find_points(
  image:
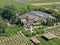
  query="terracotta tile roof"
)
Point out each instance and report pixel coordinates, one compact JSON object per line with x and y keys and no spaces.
{"x":49,"y":35}
{"x":35,"y":40}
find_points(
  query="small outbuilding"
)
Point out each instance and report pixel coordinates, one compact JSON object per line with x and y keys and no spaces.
{"x":35,"y":40}
{"x":49,"y":35}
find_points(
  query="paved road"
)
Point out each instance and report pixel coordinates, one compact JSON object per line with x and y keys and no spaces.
{"x":37,"y":4}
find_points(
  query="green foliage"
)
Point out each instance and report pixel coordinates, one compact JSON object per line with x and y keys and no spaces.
{"x":50,"y":11}
{"x":27,"y":33}
{"x":26,"y":9}
{"x":27,"y":18}
{"x":11,"y":30}
{"x":19,"y":23}
{"x":2,"y":26}
{"x":8,"y":12}
{"x":57,"y":15}
{"x":29,"y":8}
{"x":48,"y":22}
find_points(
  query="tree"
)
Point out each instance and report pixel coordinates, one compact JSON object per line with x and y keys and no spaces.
{"x":48,"y":22}
{"x":23,"y":11}
{"x":57,"y":15}
{"x":19,"y":23}
{"x":27,"y":33}
{"x":8,"y":12}
{"x":3,"y":25}
{"x":2,"y":28}
{"x":27,"y":18}
{"x":28,"y":7}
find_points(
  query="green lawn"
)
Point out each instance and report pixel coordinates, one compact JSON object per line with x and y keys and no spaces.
{"x":49,"y":42}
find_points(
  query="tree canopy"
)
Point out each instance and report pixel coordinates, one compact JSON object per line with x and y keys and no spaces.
{"x":8,"y":12}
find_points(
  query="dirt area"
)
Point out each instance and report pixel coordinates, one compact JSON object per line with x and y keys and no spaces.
{"x":37,"y":4}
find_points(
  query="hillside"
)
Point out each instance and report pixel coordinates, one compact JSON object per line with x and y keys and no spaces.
{"x":18,"y":31}
{"x":18,"y":5}
{"x":42,"y":1}
{"x":15,"y":39}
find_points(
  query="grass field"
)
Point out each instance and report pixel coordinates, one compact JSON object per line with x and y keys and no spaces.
{"x":18,"y":5}
{"x":52,"y":6}
{"x":11,"y":30}
{"x":48,"y":42}
{"x":42,"y":1}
